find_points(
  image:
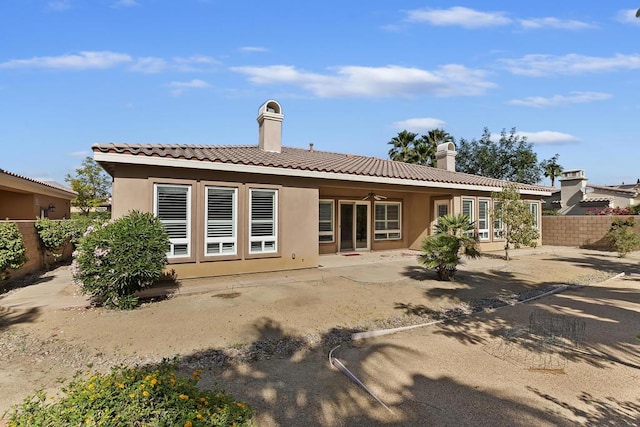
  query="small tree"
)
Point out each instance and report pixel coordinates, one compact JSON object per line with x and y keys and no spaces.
{"x":622,"y":236}
{"x":92,"y":185}
{"x":453,"y":236}
{"x":12,"y":249}
{"x":114,"y":260}
{"x":516,"y":217}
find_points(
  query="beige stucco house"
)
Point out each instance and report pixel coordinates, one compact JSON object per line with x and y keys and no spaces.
{"x":23,"y":198}
{"x":577,"y":197}
{"x":268,"y":207}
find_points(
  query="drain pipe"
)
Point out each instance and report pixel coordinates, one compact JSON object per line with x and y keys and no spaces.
{"x":336,"y":363}
{"x":381,"y":332}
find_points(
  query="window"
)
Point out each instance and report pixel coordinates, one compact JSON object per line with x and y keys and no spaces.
{"x":534,"y":210}
{"x":325,"y":221}
{"x":221,"y":208}
{"x":497,"y":224}
{"x":483,"y":219}
{"x":387,"y":221}
{"x":172,"y":205}
{"x":467,"y":209}
{"x":263,"y":226}
{"x":442,"y":209}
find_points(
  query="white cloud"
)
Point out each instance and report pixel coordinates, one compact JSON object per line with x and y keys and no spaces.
{"x":628,"y":16}
{"x":550,"y":22}
{"x":254,"y":49}
{"x":106,"y":59}
{"x":458,"y":16}
{"x":548,"y":137}
{"x":472,"y":19}
{"x":180,"y":87}
{"x":60,"y":4}
{"x":149,"y":65}
{"x":548,"y":65}
{"x":364,"y":82}
{"x":126,"y":3}
{"x":419,"y":124}
{"x":195,"y":63}
{"x":557,"y":100}
{"x":81,"y":61}
{"x":79,"y":154}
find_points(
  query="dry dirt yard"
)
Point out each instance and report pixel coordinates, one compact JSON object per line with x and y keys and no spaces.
{"x":266,"y":340}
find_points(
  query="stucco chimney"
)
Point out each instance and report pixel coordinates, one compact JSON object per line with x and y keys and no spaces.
{"x":572,"y":187}
{"x":270,"y":126}
{"x":446,"y":156}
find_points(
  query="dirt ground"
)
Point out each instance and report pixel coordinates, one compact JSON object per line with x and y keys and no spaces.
{"x":40,"y":345}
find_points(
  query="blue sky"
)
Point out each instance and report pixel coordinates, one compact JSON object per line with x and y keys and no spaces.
{"x":349,"y":76}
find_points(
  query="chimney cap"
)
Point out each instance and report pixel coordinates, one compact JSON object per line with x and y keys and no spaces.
{"x":270,"y":107}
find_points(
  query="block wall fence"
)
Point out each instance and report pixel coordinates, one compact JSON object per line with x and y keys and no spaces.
{"x":584,"y":231}
{"x":35,"y":259}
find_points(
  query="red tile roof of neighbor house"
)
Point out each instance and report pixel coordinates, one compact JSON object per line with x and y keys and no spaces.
{"x":50,"y":184}
{"x":307,"y":160}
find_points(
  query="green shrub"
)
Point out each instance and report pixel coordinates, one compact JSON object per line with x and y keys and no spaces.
{"x":141,"y":396}
{"x":12,"y":249}
{"x":118,"y":258}
{"x":54,"y":235}
{"x":453,"y":236}
{"x":622,"y":237}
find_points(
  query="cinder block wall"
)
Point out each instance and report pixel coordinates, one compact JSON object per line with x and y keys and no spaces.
{"x":584,"y":231}
{"x":35,"y":261}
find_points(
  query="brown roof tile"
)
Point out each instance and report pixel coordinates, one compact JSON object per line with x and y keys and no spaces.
{"x":306,"y":160}
{"x":51,"y":184}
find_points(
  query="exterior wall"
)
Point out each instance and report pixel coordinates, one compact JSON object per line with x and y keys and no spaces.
{"x":16,"y":205}
{"x":133,"y":188}
{"x":617,"y":201}
{"x":579,"y":231}
{"x":26,"y":206}
{"x":35,"y":260}
{"x":299,"y":246}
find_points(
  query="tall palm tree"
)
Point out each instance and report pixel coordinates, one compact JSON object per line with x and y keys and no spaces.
{"x":403,"y":147}
{"x":427,"y":146}
{"x":552,"y":169}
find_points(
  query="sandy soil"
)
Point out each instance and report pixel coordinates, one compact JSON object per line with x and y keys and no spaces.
{"x":45,"y":345}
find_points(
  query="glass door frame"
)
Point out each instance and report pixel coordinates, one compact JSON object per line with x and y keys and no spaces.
{"x":354,"y":228}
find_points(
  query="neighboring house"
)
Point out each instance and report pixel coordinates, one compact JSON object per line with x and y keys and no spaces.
{"x":265,"y":207}
{"x":23,"y":198}
{"x":577,"y":197}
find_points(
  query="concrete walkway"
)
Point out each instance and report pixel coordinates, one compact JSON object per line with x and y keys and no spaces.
{"x":55,"y":289}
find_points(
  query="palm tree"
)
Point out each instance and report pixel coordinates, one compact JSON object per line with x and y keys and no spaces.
{"x":403,"y":147}
{"x":551,"y":168}
{"x":428,"y":145}
{"x":443,"y":249}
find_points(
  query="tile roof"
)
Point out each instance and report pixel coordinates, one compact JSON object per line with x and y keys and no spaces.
{"x":307,"y":160}
{"x":50,"y":184}
{"x":616,"y":189}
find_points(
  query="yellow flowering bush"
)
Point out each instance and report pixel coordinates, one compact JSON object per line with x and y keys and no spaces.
{"x":145,"y":396}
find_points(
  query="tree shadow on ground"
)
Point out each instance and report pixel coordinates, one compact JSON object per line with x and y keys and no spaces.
{"x":28,"y":280}
{"x":12,"y":316}
{"x":608,"y":262}
{"x":290,"y":383}
{"x":601,"y":412}
{"x":598,"y":308}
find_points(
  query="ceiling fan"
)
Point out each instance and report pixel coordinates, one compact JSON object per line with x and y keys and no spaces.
{"x":374,"y":196}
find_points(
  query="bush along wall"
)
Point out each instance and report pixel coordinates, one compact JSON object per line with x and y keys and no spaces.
{"x":12,"y":249}
{"x":116,"y":259}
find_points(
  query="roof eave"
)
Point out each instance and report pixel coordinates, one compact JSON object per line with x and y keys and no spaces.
{"x":106,"y":158}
